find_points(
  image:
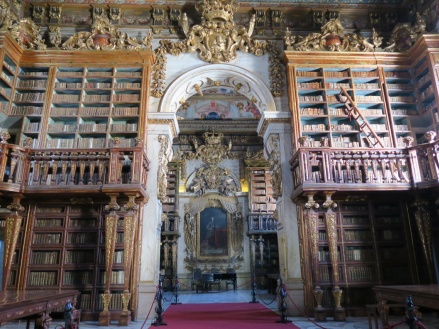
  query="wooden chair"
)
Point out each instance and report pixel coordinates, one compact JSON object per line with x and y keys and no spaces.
{"x":215,"y":281}
{"x":197,"y":280}
{"x":231,"y":281}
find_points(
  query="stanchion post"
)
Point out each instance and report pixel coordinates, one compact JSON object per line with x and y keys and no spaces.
{"x":254,"y":289}
{"x":282,"y":305}
{"x":176,"y":287}
{"x":159,"y":307}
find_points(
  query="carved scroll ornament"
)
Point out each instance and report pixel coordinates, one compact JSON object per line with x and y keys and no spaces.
{"x":104,"y":36}
{"x":27,"y":34}
{"x":331,"y":38}
{"x":217,"y":40}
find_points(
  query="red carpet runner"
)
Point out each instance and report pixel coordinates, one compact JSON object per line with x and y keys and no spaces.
{"x":222,"y":316}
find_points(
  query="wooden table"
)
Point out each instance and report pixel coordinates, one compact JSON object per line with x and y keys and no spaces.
{"x":422,"y":295}
{"x":20,"y":304}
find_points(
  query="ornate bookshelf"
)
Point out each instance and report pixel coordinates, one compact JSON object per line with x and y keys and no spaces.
{"x":67,"y":250}
{"x":7,"y":82}
{"x":95,"y":107}
{"x":372,"y":239}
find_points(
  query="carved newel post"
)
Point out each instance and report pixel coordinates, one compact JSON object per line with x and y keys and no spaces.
{"x":312,"y":219}
{"x":331,"y":231}
{"x":110,"y":243}
{"x":130,"y":228}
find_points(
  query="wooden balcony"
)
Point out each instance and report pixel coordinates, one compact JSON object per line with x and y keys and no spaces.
{"x":330,"y":169}
{"x":73,"y":171}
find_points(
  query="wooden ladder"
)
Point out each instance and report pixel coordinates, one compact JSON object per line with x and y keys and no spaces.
{"x":353,"y":111}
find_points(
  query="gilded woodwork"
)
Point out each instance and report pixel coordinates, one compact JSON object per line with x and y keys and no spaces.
{"x":12,"y":229}
{"x":275,"y":165}
{"x":104,"y":36}
{"x":27,"y":34}
{"x":164,"y":156}
{"x":331,"y":38}
{"x":192,"y":230}
{"x":217,"y":39}
{"x":423,"y":225}
{"x":404,"y":35}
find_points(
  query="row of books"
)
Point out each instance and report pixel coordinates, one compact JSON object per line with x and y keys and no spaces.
{"x":32,"y":84}
{"x":7,"y":78}
{"x":117,"y":277}
{"x":79,"y":256}
{"x":360,"y":254}
{"x":362,"y":273}
{"x":356,"y":220}
{"x":45,"y":257}
{"x":38,"y":278}
{"x":46,"y":238}
{"x":78,"y":278}
{"x":358,"y":235}
{"x":49,"y":222}
{"x":82,"y":238}
{"x":326,"y":274}
{"x":29,"y":97}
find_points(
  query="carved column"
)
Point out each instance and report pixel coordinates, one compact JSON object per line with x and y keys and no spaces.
{"x":331,"y":232}
{"x":312,"y":223}
{"x":423,"y":224}
{"x":130,"y":229}
{"x":12,"y":229}
{"x":110,"y":243}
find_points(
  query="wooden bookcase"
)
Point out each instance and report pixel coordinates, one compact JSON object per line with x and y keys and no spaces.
{"x":425,"y":79}
{"x":386,"y":96}
{"x":7,"y":82}
{"x":92,"y":106}
{"x":66,"y":249}
{"x":261,"y":191}
{"x":372,"y":249}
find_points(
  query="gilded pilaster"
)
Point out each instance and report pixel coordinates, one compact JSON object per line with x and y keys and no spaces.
{"x":312,"y":222}
{"x":423,"y":225}
{"x":110,"y":243}
{"x":331,"y":231}
{"x":12,"y":229}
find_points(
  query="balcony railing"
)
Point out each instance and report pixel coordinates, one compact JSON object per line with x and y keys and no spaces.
{"x":37,"y":170}
{"x":323,"y":169}
{"x":259,"y":223}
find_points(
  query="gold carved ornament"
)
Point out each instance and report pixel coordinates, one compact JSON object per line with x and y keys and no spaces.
{"x":162,"y":171}
{"x":217,"y":40}
{"x":104,"y":36}
{"x":331,"y":38}
{"x":404,"y":35}
{"x":27,"y":34}
{"x":275,"y":167}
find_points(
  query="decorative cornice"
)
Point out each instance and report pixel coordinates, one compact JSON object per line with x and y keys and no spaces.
{"x":164,"y":118}
{"x":271,"y":118}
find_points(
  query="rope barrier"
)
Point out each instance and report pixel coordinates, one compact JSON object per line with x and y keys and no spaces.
{"x":275,"y":297}
{"x":149,"y":312}
{"x":304,"y":315}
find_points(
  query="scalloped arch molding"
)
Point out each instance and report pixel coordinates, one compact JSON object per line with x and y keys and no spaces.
{"x":215,"y":75}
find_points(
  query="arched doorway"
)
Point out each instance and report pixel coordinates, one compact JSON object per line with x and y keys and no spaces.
{"x":217,"y":156}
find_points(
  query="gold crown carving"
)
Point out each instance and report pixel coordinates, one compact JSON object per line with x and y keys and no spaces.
{"x":213,"y":138}
{"x":217,"y":9}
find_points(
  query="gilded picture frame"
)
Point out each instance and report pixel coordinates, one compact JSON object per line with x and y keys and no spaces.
{"x":214,"y":236}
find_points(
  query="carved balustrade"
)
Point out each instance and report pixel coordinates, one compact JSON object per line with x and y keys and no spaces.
{"x":32,"y":170}
{"x":425,"y":164}
{"x":13,"y":165}
{"x":261,"y":223}
{"x":317,"y":169}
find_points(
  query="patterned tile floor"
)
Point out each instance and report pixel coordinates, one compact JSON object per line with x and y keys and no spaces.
{"x":431,"y":321}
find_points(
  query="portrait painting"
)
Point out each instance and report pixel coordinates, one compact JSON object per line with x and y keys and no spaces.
{"x":213,"y":233}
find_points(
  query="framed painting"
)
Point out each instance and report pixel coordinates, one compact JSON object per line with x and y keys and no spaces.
{"x":214,"y":235}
